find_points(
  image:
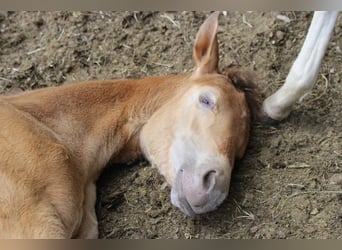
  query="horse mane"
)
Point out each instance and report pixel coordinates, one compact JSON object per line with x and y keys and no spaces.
{"x":246,"y":81}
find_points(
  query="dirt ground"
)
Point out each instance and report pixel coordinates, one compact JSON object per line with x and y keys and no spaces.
{"x":282,"y":188}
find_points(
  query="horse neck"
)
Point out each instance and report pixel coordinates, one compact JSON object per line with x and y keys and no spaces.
{"x":100,"y":121}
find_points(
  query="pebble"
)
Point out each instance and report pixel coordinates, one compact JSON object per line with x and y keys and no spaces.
{"x":280,"y":35}
{"x":253,"y":229}
{"x":314,"y":211}
{"x":286,"y":19}
{"x":288,"y":44}
{"x":335,"y":179}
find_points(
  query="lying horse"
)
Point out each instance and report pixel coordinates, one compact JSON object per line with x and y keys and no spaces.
{"x":56,"y":141}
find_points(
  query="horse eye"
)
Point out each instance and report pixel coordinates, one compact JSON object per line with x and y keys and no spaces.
{"x":206,"y":101}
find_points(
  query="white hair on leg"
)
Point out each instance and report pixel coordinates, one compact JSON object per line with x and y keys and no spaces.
{"x":304,"y":71}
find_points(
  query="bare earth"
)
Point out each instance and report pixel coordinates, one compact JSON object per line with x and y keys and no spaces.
{"x":282,"y":188}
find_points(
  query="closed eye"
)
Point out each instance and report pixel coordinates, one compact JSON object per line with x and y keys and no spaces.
{"x":206,"y":101}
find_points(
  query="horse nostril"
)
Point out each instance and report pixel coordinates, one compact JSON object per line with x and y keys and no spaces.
{"x":209,"y":179}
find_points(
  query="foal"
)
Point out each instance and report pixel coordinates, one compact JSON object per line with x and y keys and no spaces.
{"x":55,"y":142}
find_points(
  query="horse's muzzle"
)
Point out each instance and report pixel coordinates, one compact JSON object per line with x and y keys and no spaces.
{"x":199,"y":192}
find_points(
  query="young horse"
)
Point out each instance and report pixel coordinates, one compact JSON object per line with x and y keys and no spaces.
{"x":56,"y":141}
{"x":304,"y":71}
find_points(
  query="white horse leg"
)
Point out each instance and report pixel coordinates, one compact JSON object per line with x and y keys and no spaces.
{"x":304,"y":71}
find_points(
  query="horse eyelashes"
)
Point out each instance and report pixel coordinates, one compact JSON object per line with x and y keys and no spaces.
{"x":206,"y":101}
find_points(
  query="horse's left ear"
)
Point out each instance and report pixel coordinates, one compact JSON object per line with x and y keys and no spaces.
{"x":246,"y":81}
{"x":205,"y":51}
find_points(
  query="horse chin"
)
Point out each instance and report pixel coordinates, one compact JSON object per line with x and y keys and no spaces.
{"x":179,"y":200}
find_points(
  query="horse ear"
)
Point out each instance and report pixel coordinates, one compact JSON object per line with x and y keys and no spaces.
{"x":246,"y":82}
{"x":205,"y":51}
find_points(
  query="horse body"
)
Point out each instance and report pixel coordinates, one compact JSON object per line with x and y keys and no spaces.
{"x":88,"y":125}
{"x":56,"y":141}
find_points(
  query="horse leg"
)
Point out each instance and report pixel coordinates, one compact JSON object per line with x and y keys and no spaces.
{"x":304,"y":71}
{"x":88,"y":228}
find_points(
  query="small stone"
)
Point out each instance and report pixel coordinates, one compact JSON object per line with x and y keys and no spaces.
{"x":288,"y":44}
{"x":275,"y":143}
{"x":280,"y":35}
{"x":335,"y":179}
{"x":283,"y":18}
{"x":314,"y":211}
{"x":253,"y":229}
{"x":187,"y":236}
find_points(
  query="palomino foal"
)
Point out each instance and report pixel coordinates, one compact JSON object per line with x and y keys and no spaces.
{"x":56,"y":141}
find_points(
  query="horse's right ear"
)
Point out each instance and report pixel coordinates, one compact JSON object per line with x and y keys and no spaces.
{"x":205,"y":51}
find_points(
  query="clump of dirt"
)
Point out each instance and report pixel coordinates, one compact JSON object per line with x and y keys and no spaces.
{"x":280,"y":189}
